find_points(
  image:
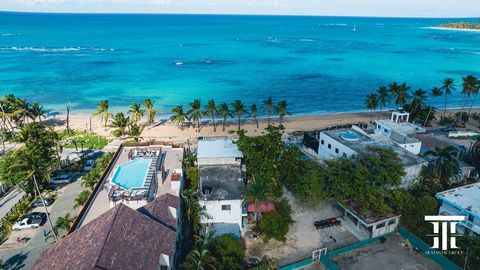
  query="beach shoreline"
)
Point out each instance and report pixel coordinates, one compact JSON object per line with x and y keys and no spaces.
{"x":452,"y":29}
{"x":166,"y":131}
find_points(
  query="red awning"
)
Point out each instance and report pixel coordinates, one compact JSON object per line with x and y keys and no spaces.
{"x":264,"y":206}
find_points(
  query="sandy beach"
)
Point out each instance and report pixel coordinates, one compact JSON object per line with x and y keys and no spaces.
{"x":166,"y":131}
{"x":453,"y":29}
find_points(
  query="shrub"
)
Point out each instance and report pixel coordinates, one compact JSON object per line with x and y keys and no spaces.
{"x":276,"y":224}
{"x":82,"y":198}
{"x":228,"y":251}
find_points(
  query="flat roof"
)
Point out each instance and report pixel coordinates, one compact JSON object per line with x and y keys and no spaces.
{"x":402,"y":127}
{"x":218,"y":148}
{"x":466,"y":197}
{"x":363,"y":142}
{"x":224,"y":182}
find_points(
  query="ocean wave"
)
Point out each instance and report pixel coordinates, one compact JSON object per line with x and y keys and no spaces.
{"x":53,"y":49}
{"x":10,"y":34}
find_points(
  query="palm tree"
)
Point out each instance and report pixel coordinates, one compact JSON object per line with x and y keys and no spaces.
{"x":224,"y":112}
{"x":446,"y":164}
{"x":190,"y":198}
{"x":102,"y":111}
{"x":393,"y":88}
{"x":179,"y":117}
{"x":238,"y":109}
{"x":253,"y":112}
{"x":268,"y":103}
{"x":136,"y":111}
{"x":151,"y":112}
{"x":470,"y":87}
{"x":195,"y":113}
{"x":199,"y":259}
{"x":402,"y":95}
{"x":475,"y":92}
{"x":135,"y":131}
{"x":436,"y":92}
{"x":417,"y":103}
{"x":371,"y":103}
{"x":256,"y":192}
{"x":383,"y":97}
{"x":448,"y":85}
{"x":82,"y":198}
{"x":64,"y":223}
{"x":120,"y":123}
{"x":211,"y":110}
{"x":36,"y":111}
{"x":281,"y":110}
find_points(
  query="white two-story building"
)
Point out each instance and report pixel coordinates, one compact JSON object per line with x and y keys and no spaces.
{"x":462,"y":201}
{"x":397,"y":129}
{"x":222,"y":181}
{"x":348,"y":142}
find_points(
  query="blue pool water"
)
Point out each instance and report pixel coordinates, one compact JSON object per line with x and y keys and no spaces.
{"x":131,"y":174}
{"x":318,"y":64}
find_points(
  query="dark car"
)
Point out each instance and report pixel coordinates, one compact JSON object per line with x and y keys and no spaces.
{"x":37,"y":215}
{"x":38,"y":202}
{"x":449,"y":129}
{"x":252,"y":262}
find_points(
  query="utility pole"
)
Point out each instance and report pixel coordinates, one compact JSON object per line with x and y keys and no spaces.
{"x":466,"y":259}
{"x":46,"y":211}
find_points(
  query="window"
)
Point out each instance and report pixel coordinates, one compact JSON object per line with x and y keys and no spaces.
{"x":329,"y":146}
{"x":163,"y":267}
{"x":392,"y":221}
{"x":226,"y":207}
{"x":380,"y":225}
{"x":336,"y":150}
{"x":322,"y":142}
{"x":471,"y":218}
{"x":344,"y":154}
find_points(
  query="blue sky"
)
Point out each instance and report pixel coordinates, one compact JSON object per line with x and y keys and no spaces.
{"x":396,"y":8}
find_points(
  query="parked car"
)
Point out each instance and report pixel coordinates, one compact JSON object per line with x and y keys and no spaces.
{"x":60,"y":179}
{"x":252,"y":262}
{"x":27,"y":223}
{"x":89,"y":164}
{"x":38,"y":202}
{"x":37,"y":215}
{"x":449,"y":129}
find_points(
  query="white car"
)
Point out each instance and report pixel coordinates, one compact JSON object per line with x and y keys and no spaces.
{"x":61,"y":179}
{"x":89,"y":164}
{"x":26,"y":223}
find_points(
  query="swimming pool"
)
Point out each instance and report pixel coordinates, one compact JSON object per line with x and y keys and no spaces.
{"x":132,"y":174}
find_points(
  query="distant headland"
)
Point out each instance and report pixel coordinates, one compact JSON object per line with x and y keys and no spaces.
{"x":462,"y":26}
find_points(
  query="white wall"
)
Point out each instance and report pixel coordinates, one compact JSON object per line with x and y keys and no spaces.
{"x":217,"y":215}
{"x":165,"y":260}
{"x":412,"y":174}
{"x":387,"y":228}
{"x":413,"y":148}
{"x":452,"y":211}
{"x":326,"y":153}
{"x":218,"y":161}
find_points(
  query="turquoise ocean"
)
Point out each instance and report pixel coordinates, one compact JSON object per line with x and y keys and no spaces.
{"x":318,"y":64}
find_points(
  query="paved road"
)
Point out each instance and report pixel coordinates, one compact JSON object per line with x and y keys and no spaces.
{"x":23,"y":258}
{"x":9,"y":200}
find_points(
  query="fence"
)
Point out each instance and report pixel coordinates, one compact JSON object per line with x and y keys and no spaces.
{"x":326,"y":261}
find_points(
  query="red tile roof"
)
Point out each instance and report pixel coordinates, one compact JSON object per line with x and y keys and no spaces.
{"x":264,"y":206}
{"x":159,"y":210}
{"x":121,"y":238}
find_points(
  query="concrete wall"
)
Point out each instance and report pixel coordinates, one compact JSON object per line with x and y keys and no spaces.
{"x":412,"y":173}
{"x":384,"y":227}
{"x":413,"y":148}
{"x":325,"y":153}
{"x":217,"y":215}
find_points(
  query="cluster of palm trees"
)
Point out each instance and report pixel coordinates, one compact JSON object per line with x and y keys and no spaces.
{"x":16,"y":112}
{"x":236,"y":110}
{"x":415,"y":102}
{"x":127,"y":125}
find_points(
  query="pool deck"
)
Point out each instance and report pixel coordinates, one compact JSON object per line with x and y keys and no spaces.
{"x":101,"y":203}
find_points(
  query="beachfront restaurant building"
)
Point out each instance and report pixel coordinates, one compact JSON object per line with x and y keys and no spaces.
{"x":349,"y":142}
{"x":462,"y":201}
{"x":221,"y":185}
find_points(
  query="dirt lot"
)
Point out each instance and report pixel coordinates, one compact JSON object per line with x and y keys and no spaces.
{"x":302,"y":238}
{"x":393,"y":254}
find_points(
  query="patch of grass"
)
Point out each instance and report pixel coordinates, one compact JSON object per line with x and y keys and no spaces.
{"x":82,"y":139}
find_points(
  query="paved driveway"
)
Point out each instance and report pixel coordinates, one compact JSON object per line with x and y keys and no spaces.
{"x":9,"y":200}
{"x":24,"y":257}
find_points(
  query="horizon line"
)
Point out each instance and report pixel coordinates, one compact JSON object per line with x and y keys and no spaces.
{"x":227,"y":14}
